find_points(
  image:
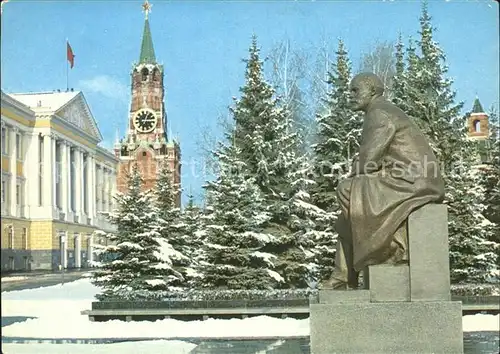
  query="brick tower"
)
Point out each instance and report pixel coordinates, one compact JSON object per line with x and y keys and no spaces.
{"x":478,"y":131}
{"x":478,"y":122}
{"x":146,"y":142}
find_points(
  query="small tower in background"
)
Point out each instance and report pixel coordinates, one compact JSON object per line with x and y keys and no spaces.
{"x":478,"y":122}
{"x":478,"y":131}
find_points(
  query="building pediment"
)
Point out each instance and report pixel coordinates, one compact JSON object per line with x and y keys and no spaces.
{"x":70,"y":107}
{"x":77,"y":113}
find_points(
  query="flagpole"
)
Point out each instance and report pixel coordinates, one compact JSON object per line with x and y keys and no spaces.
{"x":67,"y":67}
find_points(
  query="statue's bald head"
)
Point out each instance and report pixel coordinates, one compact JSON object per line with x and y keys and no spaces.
{"x":371,"y":81}
{"x":364,"y":88}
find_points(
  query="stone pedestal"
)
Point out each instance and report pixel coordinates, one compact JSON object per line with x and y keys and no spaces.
{"x":406,"y":308}
{"x":386,"y":328}
{"x":429,"y":254}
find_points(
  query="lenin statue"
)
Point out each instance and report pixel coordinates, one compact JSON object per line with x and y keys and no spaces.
{"x":394,"y":173}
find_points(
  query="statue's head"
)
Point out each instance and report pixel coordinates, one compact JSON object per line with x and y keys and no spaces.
{"x":364,"y":88}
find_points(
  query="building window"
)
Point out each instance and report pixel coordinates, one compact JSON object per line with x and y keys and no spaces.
{"x":4,"y":141}
{"x":18,"y":194}
{"x":19,"y":147}
{"x":124,"y":152}
{"x":20,"y":198}
{"x":145,"y":73}
{"x":10,"y":232}
{"x":25,"y":238}
{"x":477,"y":126}
{"x":6,"y":194}
{"x":4,"y":191}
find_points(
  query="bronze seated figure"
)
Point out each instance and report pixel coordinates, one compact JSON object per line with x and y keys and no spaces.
{"x":394,"y":173}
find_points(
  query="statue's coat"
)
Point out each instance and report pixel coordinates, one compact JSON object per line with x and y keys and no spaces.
{"x":397,"y":172}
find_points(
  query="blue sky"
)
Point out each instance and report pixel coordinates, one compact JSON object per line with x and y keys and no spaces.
{"x":201,"y":44}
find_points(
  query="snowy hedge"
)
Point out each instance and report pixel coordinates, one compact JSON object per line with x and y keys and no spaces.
{"x":217,"y":295}
{"x":457,"y":290}
{"x":475,"y":289}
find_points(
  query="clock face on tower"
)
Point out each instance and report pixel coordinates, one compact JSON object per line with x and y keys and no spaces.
{"x":145,"y":121}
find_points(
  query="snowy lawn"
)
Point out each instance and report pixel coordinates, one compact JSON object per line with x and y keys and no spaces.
{"x":58,"y":307}
{"x":157,"y":346}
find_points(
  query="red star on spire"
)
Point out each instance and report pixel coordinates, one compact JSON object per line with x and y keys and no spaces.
{"x":146,"y":7}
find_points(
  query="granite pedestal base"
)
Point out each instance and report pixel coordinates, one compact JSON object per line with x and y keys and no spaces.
{"x":388,"y":327}
{"x":404,"y":308}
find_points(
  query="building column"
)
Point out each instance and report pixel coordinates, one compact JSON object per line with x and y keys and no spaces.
{"x":98,"y":188}
{"x":101,"y":187}
{"x":113,"y":189}
{"x":90,"y":188}
{"x":78,"y":253}
{"x":90,"y":250}
{"x":12,"y":131}
{"x":69,"y":193}
{"x":104,"y":189}
{"x":47,"y":162}
{"x":108,"y":189}
{"x":55,"y":172}
{"x":30,"y":166}
{"x":64,"y":249}
{"x":83,"y":217}
{"x":78,"y":182}
{"x":64,"y":178}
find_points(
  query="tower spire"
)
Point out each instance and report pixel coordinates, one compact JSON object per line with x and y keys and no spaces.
{"x":147,"y":49}
{"x":117,"y":144}
{"x":477,"y":107}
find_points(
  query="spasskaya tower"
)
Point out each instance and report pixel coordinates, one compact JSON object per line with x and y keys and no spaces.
{"x":146,"y":141}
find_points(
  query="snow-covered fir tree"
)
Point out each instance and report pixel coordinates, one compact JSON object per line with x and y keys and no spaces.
{"x":339,"y":130}
{"x":490,"y":178}
{"x":431,"y":99}
{"x":131,"y":265}
{"x":175,"y":245}
{"x":235,"y":232}
{"x":269,"y":147}
{"x":399,"y":80}
{"x":190,"y":228}
{"x":473,"y":250}
{"x":427,"y":97}
{"x":492,"y":169}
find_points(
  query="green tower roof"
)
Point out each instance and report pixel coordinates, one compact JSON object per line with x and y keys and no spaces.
{"x":477,"y":108}
{"x":147,"y":50}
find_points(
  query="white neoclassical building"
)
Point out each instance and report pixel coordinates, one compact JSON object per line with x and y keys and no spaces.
{"x":55,"y":181}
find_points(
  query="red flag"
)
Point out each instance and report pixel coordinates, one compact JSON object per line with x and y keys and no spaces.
{"x":69,"y":54}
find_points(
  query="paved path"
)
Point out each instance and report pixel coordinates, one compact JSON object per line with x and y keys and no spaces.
{"x":39,"y":279}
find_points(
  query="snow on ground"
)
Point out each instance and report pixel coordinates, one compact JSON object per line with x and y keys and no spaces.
{"x":8,"y":279}
{"x":58,"y":307}
{"x":157,"y":346}
{"x":480,"y":322}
